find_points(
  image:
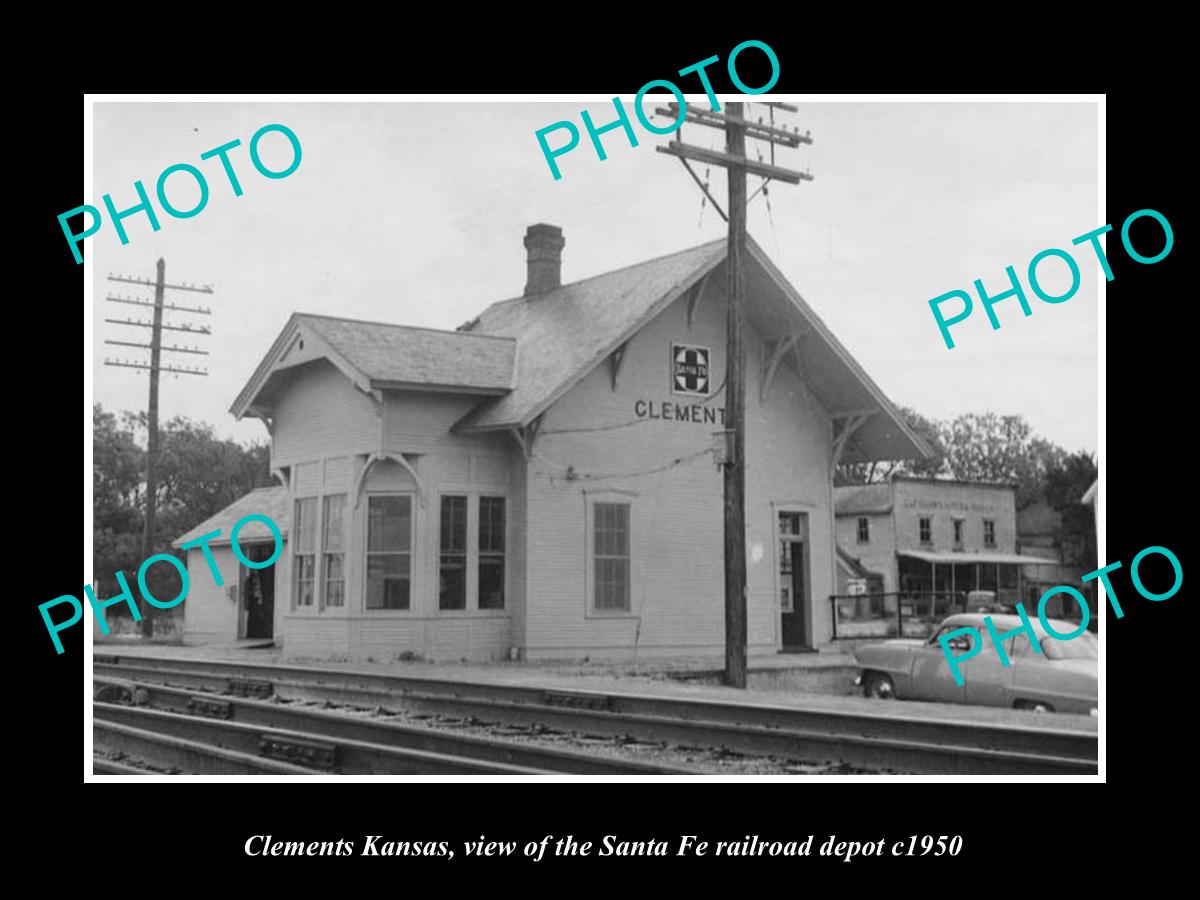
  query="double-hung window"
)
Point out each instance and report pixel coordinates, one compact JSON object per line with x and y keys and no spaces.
{"x":610,"y":557}
{"x":491,"y":552}
{"x":452,"y":549}
{"x":304,"y":558}
{"x":333,"y":551}
{"x":925,"y":529}
{"x":389,"y":551}
{"x":471,"y":569}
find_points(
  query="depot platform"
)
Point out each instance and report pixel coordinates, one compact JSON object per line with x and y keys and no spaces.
{"x":675,"y":677}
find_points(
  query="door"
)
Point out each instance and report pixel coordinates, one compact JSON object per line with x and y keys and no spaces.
{"x":931,"y":675}
{"x":793,"y":581}
{"x":990,"y":682}
{"x":258,"y":593}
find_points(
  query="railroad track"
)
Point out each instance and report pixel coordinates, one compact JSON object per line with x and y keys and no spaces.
{"x":869,"y":740}
{"x":334,"y":741}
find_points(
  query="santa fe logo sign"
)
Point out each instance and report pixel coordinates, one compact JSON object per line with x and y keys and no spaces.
{"x":689,"y":370}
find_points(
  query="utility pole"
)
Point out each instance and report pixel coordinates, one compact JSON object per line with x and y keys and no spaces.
{"x":737,"y":128}
{"x":155,"y":367}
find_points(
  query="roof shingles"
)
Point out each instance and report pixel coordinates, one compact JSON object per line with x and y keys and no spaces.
{"x":271,"y":502}
{"x":400,"y":354}
{"x":566,"y":332}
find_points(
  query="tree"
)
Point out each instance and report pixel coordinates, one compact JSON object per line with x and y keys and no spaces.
{"x":118,"y":464}
{"x":1065,"y":484}
{"x":199,"y":474}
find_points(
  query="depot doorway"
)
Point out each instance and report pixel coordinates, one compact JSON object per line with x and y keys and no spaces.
{"x":794,"y":596}
{"x":257,"y":590}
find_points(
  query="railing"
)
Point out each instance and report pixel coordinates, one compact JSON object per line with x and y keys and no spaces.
{"x":901,"y":614}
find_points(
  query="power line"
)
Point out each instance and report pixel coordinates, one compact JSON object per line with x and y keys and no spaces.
{"x":569,"y":473}
{"x":738,"y":128}
{"x":155,"y":367}
{"x":627,"y":424}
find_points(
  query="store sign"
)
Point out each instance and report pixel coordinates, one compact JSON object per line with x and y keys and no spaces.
{"x":956,"y":505}
{"x":689,"y":370}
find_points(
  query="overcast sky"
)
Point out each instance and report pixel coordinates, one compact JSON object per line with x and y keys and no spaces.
{"x":414,"y":213}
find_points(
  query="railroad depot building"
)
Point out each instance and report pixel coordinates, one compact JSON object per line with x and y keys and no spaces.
{"x":541,"y":482}
{"x":922,"y":535}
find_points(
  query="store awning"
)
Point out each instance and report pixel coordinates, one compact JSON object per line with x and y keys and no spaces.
{"x":960,"y":557}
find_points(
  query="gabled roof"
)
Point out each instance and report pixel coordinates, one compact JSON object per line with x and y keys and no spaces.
{"x":856,"y":499}
{"x":853,"y":565}
{"x":567,"y":332}
{"x":271,"y":502}
{"x":397,"y":354}
{"x":376,"y":355}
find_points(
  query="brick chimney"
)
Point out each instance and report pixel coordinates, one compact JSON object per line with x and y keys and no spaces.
{"x":543,"y":259}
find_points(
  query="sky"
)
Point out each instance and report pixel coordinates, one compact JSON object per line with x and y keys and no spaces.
{"x":415,"y":212}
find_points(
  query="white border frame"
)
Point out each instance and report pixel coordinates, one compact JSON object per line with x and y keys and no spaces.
{"x":88,"y":358}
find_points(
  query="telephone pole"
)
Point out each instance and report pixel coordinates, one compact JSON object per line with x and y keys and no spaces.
{"x":155,"y":367}
{"x":737,"y":128}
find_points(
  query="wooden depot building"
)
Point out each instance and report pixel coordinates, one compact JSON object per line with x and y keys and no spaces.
{"x":540,"y":483}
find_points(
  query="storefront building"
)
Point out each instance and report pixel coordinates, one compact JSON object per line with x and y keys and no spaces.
{"x":924,"y":535}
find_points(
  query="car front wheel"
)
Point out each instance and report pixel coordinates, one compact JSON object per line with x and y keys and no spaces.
{"x":1034,"y":706}
{"x":878,"y":685}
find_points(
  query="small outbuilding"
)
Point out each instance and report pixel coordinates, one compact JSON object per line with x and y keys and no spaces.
{"x":246,"y":605}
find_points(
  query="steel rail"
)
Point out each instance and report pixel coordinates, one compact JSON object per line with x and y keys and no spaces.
{"x":170,"y":751}
{"x":311,"y":754}
{"x":918,"y":745}
{"x":104,"y":766}
{"x":322,"y":724}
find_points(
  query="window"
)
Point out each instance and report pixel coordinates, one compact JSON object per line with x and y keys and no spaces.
{"x":1082,"y":647}
{"x":925,"y":528}
{"x":989,"y":532}
{"x":389,"y":552}
{"x":611,"y":556}
{"x":333,"y":584}
{"x":1020,"y":647}
{"x":958,"y":643}
{"x":864,"y":530}
{"x":304,"y":559}
{"x":491,"y":552}
{"x":452,"y":547}
{"x":958,"y":532}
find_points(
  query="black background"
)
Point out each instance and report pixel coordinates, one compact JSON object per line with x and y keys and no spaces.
{"x":1011,"y":831}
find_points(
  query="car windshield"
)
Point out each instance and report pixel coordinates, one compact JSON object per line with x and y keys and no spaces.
{"x":1082,"y":647}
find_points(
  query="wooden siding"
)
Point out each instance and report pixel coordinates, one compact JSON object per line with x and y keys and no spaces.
{"x":948,"y":500}
{"x":879,"y":554}
{"x":320,"y":413}
{"x":417,"y":426}
{"x":210,"y":613}
{"x":592,"y":440}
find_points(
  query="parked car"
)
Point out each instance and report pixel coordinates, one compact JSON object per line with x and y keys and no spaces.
{"x":1062,"y":678}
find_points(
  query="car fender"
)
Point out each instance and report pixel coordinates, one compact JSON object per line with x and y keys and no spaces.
{"x":1066,"y":685}
{"x":893,"y":658}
